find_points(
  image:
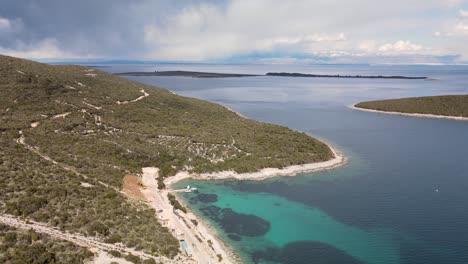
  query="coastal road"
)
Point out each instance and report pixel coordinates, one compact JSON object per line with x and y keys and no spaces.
{"x":201,"y":252}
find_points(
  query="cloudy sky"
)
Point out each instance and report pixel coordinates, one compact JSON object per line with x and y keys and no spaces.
{"x":257,"y":31}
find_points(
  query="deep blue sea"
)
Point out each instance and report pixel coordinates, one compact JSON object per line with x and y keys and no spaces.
{"x":402,"y":197}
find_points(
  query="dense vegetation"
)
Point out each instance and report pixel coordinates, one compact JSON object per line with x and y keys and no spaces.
{"x":448,"y":105}
{"x":26,"y":246}
{"x":103,"y":139}
{"x":68,"y":135}
{"x":175,"y":203}
{"x":35,"y":188}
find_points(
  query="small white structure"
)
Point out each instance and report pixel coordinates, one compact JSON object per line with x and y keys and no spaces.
{"x":189,"y":189}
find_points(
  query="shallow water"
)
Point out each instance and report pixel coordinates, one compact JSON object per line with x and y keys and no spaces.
{"x":400,"y":199}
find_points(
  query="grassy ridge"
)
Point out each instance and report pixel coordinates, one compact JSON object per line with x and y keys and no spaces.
{"x":448,"y":105}
{"x":98,"y":127}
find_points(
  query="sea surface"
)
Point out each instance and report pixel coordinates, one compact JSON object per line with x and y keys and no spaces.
{"x":402,"y":197}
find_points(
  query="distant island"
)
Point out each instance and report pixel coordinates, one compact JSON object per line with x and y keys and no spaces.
{"x":446,"y":106}
{"x":186,"y":74}
{"x":294,"y":74}
{"x":276,"y":74}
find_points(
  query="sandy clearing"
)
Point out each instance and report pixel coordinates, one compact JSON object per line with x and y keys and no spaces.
{"x":458,"y":118}
{"x":132,"y":188}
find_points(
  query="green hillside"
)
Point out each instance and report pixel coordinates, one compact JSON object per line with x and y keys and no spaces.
{"x":69,"y":134}
{"x":448,"y":105}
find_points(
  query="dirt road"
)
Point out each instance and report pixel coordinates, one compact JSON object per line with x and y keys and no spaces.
{"x":200,"y":249}
{"x":78,"y":239}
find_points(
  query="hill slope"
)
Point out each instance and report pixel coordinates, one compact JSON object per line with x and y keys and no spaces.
{"x":448,"y":105}
{"x":69,"y":134}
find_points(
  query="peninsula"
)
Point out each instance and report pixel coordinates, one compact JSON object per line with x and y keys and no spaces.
{"x":275,"y":74}
{"x":75,"y":141}
{"x":186,"y":74}
{"x":446,"y":106}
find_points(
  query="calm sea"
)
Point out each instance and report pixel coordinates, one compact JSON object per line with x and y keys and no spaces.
{"x":402,"y":198}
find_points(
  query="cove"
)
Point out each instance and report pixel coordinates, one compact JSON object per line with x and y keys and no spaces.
{"x":292,"y":222}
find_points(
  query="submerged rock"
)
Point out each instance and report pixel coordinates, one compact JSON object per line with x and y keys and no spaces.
{"x":207,"y":198}
{"x":235,"y":223}
{"x":235,"y":237}
{"x":304,"y":252}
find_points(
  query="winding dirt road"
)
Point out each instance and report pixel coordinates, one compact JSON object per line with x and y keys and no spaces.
{"x":78,"y":239}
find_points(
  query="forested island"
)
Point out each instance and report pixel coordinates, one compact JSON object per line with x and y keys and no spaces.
{"x":69,"y":134}
{"x":287,"y":74}
{"x":276,"y":74}
{"x":454,"y":106}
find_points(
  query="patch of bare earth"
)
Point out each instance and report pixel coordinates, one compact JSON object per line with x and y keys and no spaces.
{"x":132,"y":187}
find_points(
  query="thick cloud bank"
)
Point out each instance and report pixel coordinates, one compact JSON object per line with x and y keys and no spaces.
{"x":410,"y":31}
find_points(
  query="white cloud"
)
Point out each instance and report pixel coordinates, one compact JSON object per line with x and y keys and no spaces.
{"x":398,"y":48}
{"x":46,"y":49}
{"x":454,"y":3}
{"x":208,"y":31}
{"x":463,"y":13}
{"x":454,"y":29}
{"x":401,"y":46}
{"x":306,"y":44}
{"x":4,"y":23}
{"x":368,"y":45}
{"x":462,"y":27}
{"x":197,"y":30}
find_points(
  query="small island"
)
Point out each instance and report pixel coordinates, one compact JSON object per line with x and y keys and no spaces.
{"x":446,"y":106}
{"x":275,"y":74}
{"x":294,"y":74}
{"x":186,"y":74}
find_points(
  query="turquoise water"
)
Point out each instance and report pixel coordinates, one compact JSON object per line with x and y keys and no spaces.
{"x":288,"y":220}
{"x":400,"y":199}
